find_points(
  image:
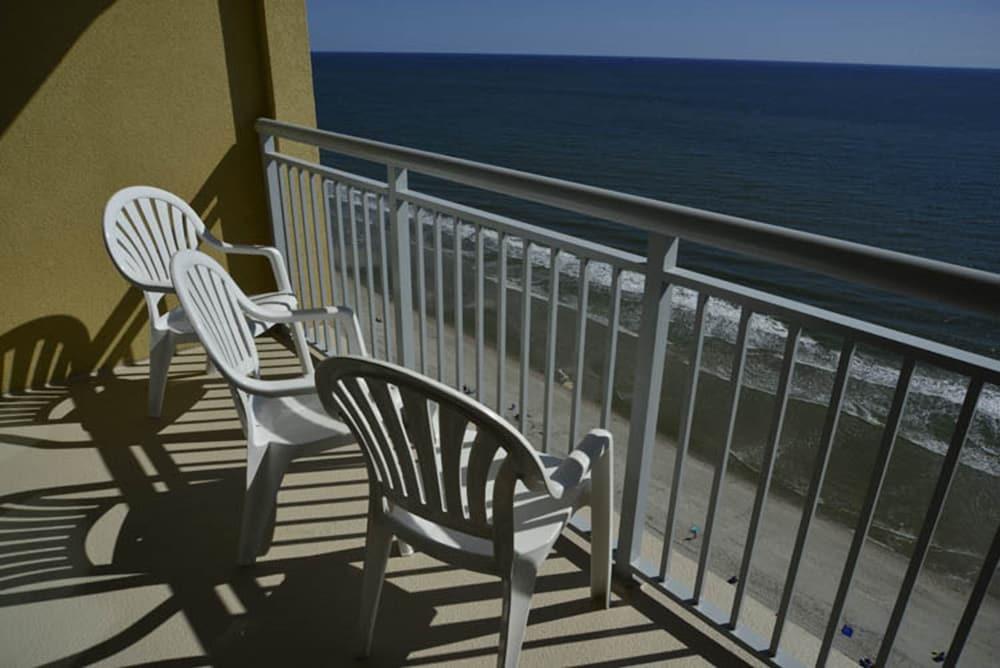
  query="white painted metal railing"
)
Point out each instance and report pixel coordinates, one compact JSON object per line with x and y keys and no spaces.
{"x":383,"y":248}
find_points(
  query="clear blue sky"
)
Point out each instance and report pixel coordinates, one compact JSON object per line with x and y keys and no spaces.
{"x":962,"y":33}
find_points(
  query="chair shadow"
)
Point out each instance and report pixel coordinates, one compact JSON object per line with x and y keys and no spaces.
{"x":155,"y":519}
{"x":173,"y":541}
{"x":176,"y":529}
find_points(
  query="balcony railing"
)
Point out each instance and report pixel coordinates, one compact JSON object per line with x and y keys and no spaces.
{"x":453,"y":291}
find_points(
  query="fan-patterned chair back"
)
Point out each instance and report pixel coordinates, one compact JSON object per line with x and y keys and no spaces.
{"x":143,"y":228}
{"x":215,"y":305}
{"x":429,"y":448}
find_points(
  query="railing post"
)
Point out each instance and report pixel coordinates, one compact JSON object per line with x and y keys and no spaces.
{"x":650,"y":358}
{"x":272,"y":188}
{"x":402,"y":290}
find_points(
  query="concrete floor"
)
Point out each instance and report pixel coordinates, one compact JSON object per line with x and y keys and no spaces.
{"x":118,"y":541}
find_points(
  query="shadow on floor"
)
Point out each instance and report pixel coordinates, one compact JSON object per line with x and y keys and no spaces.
{"x":132,"y":559}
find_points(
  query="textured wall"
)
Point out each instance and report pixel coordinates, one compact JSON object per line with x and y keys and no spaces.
{"x":98,"y":95}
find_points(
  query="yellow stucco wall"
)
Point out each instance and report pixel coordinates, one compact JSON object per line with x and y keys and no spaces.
{"x":103,"y":94}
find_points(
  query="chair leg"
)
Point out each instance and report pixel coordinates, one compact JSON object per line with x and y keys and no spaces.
{"x":265,"y":469}
{"x":601,"y":510}
{"x":377,"y":545}
{"x":302,"y":348}
{"x":161,"y":350}
{"x":518,"y":588}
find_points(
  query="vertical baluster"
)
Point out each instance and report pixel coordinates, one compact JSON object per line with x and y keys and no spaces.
{"x":331,"y":255}
{"x":293,"y":204}
{"x":300,"y":247}
{"x":284,"y":203}
{"x":370,"y":276}
{"x":611,"y":353}
{"x":525,"y":335}
{"x":923,"y":544}
{"x":975,"y":600}
{"x":354,"y":253}
{"x":715,"y":497}
{"x":581,"y":347}
{"x":684,"y":440}
{"x":480,"y":310}
{"x":288,"y":212}
{"x":341,"y":242}
{"x":651,"y":350}
{"x":402,"y":290}
{"x":309,"y":279}
{"x":501,"y":320}
{"x":273,"y":192}
{"x":867,"y":512}
{"x":384,"y":275}
{"x":321,"y":266}
{"x":815,"y":486}
{"x":459,"y":331}
{"x":421,"y":288}
{"x":550,"y":344}
{"x":767,"y":468}
{"x":329,"y":189}
{"x":439,"y":294}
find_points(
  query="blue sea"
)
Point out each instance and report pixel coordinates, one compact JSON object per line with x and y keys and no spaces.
{"x":897,"y":157}
{"x":901,"y":158}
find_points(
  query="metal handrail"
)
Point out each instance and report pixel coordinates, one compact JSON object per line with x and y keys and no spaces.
{"x":951,"y":284}
{"x":540,"y":235}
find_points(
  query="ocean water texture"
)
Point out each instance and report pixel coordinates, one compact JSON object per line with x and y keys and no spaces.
{"x":896,"y":157}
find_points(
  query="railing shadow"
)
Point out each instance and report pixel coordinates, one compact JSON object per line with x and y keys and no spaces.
{"x":166,"y":527}
{"x":161,"y":510}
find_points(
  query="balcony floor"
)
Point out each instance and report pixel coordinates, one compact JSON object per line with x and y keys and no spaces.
{"x":118,"y":536}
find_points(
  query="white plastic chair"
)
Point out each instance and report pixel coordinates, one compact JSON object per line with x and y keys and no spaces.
{"x":282,"y":419}
{"x":454,"y":479}
{"x":143,"y":228}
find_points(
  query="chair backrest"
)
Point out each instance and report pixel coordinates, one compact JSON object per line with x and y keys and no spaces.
{"x":143,"y":228}
{"x":414,"y":453}
{"x":214,"y":306}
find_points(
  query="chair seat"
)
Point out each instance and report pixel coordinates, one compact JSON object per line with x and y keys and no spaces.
{"x":177,"y":322}
{"x":538,"y":518}
{"x":297,"y":420}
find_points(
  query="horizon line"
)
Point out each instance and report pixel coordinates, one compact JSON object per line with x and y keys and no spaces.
{"x":627,"y":57}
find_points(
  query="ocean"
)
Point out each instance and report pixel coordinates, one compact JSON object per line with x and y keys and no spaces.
{"x":901,"y":158}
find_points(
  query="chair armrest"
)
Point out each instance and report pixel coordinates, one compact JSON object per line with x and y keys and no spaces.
{"x":571,"y":473}
{"x":324,"y":313}
{"x":277,"y":388}
{"x":303,"y":314}
{"x":270,"y":252}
